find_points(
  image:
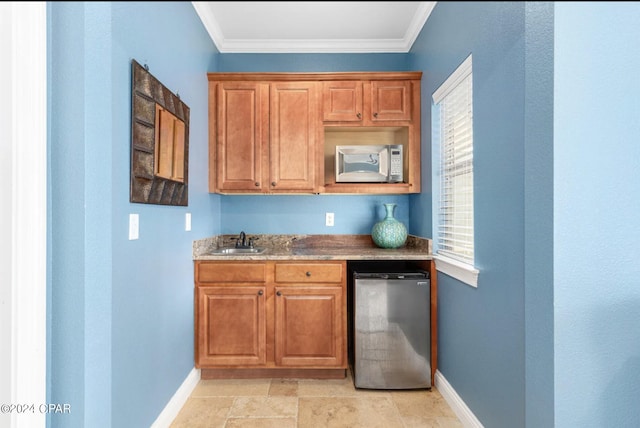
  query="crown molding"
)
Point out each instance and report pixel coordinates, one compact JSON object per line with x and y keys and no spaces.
{"x":419,"y":19}
{"x":209,"y":22}
{"x":313,"y":46}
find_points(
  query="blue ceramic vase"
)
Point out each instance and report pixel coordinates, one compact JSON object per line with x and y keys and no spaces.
{"x":389,"y":233}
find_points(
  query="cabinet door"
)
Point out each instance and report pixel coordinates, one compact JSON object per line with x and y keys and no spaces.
{"x":294,"y":136}
{"x":309,"y":326}
{"x":242,"y":135}
{"x":390,"y":100}
{"x":230,"y":326}
{"x":342,"y":101}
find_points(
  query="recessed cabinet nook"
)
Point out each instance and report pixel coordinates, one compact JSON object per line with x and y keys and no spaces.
{"x":277,"y":132}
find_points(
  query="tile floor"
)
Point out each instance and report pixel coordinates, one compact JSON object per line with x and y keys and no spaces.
{"x":290,"y":403}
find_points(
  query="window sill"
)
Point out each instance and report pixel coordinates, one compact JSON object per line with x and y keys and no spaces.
{"x":458,"y":270}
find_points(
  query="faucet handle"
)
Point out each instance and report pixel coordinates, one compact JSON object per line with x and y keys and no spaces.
{"x":251,"y":240}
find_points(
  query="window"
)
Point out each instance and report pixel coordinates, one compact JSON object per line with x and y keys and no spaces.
{"x":453,"y":158}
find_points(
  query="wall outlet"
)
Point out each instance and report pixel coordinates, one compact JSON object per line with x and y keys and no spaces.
{"x":187,"y":222}
{"x":134,"y":226}
{"x":328,"y":219}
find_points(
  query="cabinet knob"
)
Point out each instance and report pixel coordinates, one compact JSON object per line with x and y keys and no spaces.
{"x":278,"y":293}
{"x":359,"y":116}
{"x":375,"y":114}
{"x":273,"y":183}
{"x":308,"y":273}
{"x":260,"y":293}
{"x":257,"y":184}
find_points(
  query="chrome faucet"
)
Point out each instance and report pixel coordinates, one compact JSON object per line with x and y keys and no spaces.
{"x":241,"y":242}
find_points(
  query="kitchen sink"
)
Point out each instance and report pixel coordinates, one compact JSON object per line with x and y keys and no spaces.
{"x":234,"y":250}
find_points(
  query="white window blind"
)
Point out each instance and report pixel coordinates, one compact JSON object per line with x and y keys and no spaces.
{"x":455,"y":212}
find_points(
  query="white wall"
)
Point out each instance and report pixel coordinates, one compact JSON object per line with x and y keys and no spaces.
{"x":23,"y":171}
{"x":5,"y":210}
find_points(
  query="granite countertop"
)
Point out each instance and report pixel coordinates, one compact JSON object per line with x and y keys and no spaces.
{"x":314,"y":247}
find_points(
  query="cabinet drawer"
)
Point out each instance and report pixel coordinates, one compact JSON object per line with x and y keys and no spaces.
{"x":309,"y":272}
{"x":231,"y":272}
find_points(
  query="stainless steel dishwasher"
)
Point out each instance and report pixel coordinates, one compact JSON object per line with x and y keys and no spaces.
{"x":391,"y":329}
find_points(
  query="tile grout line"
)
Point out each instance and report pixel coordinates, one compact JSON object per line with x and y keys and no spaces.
{"x":395,"y":406}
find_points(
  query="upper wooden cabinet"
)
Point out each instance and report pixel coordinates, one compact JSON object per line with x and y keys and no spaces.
{"x":368,"y":102}
{"x":241,"y":125}
{"x":294,"y":143}
{"x":342,"y":101}
{"x":277,"y":132}
{"x":372,"y":109}
{"x":265,"y":137}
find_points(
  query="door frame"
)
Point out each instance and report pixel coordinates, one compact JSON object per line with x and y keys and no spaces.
{"x":24,"y":217}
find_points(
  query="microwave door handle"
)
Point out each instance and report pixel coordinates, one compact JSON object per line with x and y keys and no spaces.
{"x":385,"y":165}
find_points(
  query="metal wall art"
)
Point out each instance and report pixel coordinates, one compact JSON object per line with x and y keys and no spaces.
{"x":159,"y":142}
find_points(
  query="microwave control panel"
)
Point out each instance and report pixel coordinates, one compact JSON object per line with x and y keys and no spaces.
{"x":395,"y":164}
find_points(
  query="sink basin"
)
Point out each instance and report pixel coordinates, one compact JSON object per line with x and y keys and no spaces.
{"x":234,"y":250}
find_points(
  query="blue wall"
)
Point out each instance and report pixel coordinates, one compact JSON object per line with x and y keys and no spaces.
{"x":596,"y":204}
{"x":301,"y":214}
{"x":538,"y":215}
{"x":354,"y":214}
{"x":121,"y":319}
{"x":312,"y":62}
{"x":481,"y":344}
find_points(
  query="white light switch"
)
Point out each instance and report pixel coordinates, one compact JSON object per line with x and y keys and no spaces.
{"x":187,"y":222}
{"x":134,"y":224}
{"x":328,"y":219}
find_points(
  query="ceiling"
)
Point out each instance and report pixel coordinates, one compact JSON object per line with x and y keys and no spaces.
{"x":313,"y":26}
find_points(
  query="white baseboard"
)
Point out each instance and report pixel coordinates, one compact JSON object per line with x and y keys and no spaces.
{"x":176,"y":403}
{"x":466,"y":416}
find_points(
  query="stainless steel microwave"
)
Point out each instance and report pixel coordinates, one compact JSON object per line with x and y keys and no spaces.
{"x":369,"y":164}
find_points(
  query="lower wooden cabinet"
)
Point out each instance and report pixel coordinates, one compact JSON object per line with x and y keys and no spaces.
{"x":231,"y":326}
{"x":309,"y":326}
{"x":271,"y":315}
